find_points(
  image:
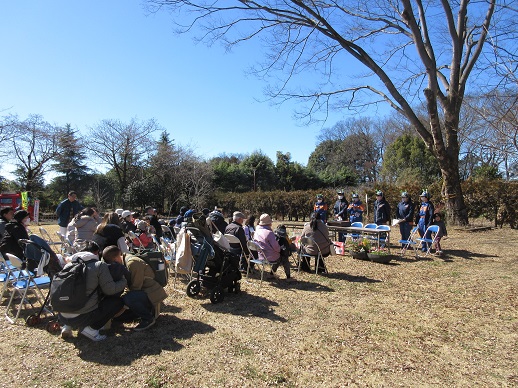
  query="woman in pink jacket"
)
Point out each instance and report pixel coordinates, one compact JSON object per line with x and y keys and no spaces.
{"x":271,"y":250}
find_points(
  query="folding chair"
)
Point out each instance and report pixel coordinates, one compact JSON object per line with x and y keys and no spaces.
{"x":431,"y":231}
{"x":133,"y":236}
{"x":384,"y":240}
{"x":168,"y":234}
{"x":354,"y":236}
{"x":370,"y":236}
{"x":234,"y":240}
{"x":67,"y":248}
{"x":21,"y":285}
{"x":261,"y":263}
{"x":410,"y":243}
{"x":304,"y":242}
{"x":7,"y":274}
{"x":47,"y":238}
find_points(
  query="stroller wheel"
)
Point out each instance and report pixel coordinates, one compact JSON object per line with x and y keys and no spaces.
{"x":217,"y":295}
{"x":53,"y":327}
{"x":32,"y":320}
{"x":193,"y":288}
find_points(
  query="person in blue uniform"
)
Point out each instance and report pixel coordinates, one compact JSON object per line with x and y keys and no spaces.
{"x":356,"y":209}
{"x":321,"y":207}
{"x":424,"y":217}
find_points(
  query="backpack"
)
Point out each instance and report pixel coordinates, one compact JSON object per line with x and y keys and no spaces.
{"x":155,"y":259}
{"x":68,"y":288}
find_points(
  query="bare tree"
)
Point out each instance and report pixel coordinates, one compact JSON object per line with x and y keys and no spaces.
{"x":406,"y":45}
{"x":122,"y":147}
{"x":32,"y":146}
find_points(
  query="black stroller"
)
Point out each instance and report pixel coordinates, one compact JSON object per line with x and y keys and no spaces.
{"x":41,"y":259}
{"x":216,"y":269}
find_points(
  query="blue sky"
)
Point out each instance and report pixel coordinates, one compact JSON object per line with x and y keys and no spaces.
{"x":79,"y":62}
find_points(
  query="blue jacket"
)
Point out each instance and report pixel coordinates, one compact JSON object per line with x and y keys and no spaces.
{"x":405,"y":211}
{"x":425,"y":216}
{"x":63,"y":211}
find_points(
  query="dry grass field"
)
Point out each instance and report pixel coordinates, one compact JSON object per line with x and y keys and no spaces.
{"x":450,"y":321}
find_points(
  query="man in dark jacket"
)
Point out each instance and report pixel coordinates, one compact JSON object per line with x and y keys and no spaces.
{"x":235,"y":228}
{"x":340,"y":211}
{"x":15,"y":230}
{"x":381,"y":209}
{"x":66,"y":210}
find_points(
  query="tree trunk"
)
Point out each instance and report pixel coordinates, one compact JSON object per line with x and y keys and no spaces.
{"x":457,"y":212}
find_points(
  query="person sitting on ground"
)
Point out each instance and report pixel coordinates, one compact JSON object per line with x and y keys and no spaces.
{"x":109,"y":232}
{"x":442,"y":232}
{"x":235,"y":228}
{"x":15,"y":230}
{"x":143,"y":239}
{"x":6,"y":215}
{"x":83,"y":226}
{"x":145,"y":293}
{"x":104,"y":302}
{"x":270,"y":247}
{"x":113,"y":257}
{"x":319,"y":233}
{"x":127,"y":222}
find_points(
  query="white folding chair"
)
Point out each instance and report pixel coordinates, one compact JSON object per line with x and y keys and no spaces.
{"x":46,"y":236}
{"x":67,"y":248}
{"x":8,"y":273}
{"x":21,"y":285}
{"x":166,"y":232}
{"x":261,"y":261}
{"x":234,"y":240}
{"x":133,"y":236}
{"x":431,"y":231}
{"x":305,"y":241}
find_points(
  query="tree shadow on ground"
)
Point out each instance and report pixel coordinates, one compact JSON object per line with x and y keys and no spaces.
{"x":246,"y":305}
{"x":464,"y":254}
{"x":351,"y":278}
{"x":130,"y":346}
{"x":302,"y":285}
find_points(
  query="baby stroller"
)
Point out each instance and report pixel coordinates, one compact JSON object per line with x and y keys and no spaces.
{"x":216,"y":267}
{"x":41,"y":259}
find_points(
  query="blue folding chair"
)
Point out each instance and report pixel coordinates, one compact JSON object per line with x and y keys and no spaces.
{"x":428,"y":239}
{"x":410,"y":243}
{"x":384,"y":238}
{"x":354,"y":236}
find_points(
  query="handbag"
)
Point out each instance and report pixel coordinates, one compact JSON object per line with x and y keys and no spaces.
{"x":221,"y":240}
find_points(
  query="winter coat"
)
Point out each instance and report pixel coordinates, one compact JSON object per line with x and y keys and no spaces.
{"x":14,"y":231}
{"x":355,"y":210}
{"x":381,"y":211}
{"x":109,"y":236}
{"x":63,"y":211}
{"x":143,"y":278}
{"x":425,"y":216}
{"x":405,"y":211}
{"x":321,"y":237}
{"x":97,"y":275}
{"x":321,"y":208}
{"x":265,"y":238}
{"x":237,"y":230}
{"x":340,"y":208}
{"x":3,"y":223}
{"x":84,"y":227}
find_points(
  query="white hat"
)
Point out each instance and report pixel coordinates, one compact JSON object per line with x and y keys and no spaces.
{"x":125,"y":213}
{"x":265,"y":219}
{"x":119,"y":211}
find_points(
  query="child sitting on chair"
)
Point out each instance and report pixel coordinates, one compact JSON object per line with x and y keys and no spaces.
{"x":143,"y":236}
{"x":442,"y":232}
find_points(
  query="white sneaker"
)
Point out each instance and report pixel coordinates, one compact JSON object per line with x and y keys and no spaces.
{"x":92,"y":334}
{"x":66,"y":331}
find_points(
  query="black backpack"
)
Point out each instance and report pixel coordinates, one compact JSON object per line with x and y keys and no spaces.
{"x":68,"y":288}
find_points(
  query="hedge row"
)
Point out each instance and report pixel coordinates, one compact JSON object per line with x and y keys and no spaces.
{"x":494,"y":200}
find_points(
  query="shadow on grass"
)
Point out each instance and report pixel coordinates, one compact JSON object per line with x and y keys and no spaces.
{"x":351,"y":278}
{"x":246,"y":305}
{"x":464,"y":254}
{"x":130,"y":346}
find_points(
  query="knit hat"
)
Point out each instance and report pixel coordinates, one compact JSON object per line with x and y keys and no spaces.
{"x":142,"y":225}
{"x":265,"y":220}
{"x":20,"y":215}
